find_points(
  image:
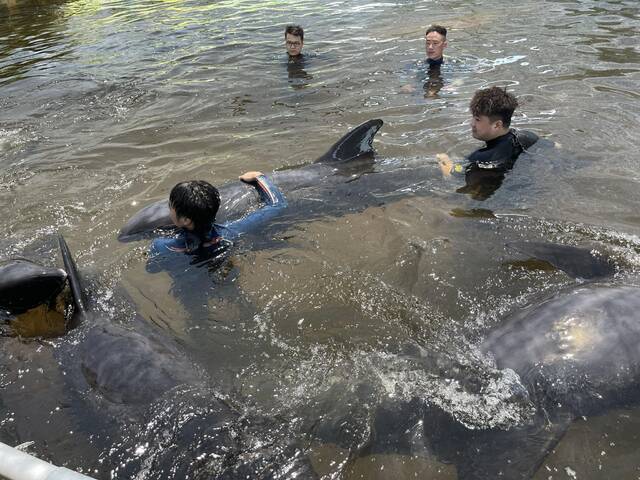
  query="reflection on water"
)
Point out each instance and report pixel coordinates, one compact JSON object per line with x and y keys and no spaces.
{"x":361,"y":306}
{"x":296,"y":70}
{"x":41,"y":321}
{"x":434,"y":82}
{"x":33,"y":38}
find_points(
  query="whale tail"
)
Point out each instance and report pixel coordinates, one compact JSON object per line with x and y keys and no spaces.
{"x":74,"y":277}
{"x":359,"y":141}
{"x":574,"y":261}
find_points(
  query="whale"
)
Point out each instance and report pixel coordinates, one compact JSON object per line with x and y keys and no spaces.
{"x":577,"y":353}
{"x":335,"y":166}
{"x":132,"y":385}
{"x":25,"y":284}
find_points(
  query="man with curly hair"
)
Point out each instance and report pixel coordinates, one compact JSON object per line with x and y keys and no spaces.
{"x":491,"y":111}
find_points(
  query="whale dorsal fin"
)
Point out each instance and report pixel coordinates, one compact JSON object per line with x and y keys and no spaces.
{"x":574,"y":261}
{"x":357,"y":142}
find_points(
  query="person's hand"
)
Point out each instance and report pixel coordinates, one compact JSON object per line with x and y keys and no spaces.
{"x":250,"y":177}
{"x":407,"y":89}
{"x":445,"y":164}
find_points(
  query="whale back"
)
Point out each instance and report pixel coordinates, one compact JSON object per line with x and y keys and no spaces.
{"x":580,"y":350}
{"x":25,"y":284}
{"x":127,"y":367}
{"x":124,"y":365}
{"x":238,"y":198}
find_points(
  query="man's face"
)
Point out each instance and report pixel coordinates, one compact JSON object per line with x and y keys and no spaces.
{"x":435,"y":44}
{"x":294,"y":44}
{"x":180,"y":222}
{"x":482,"y":128}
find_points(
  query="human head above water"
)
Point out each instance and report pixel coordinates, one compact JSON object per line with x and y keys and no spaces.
{"x":436,"y":41}
{"x":194,"y":205}
{"x":294,"y":39}
{"x":491,"y":111}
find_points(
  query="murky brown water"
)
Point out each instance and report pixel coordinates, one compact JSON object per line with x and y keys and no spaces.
{"x":106,"y":105}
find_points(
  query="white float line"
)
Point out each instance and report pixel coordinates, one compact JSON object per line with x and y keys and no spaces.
{"x":17,"y":465}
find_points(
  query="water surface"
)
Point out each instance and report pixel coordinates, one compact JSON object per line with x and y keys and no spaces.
{"x":106,"y":105}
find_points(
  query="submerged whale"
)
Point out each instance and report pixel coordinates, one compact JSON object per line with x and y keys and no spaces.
{"x":134,"y":386}
{"x":577,"y":354}
{"x":237,"y":198}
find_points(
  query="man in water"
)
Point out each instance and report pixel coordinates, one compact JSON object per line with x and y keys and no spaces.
{"x":294,"y":40}
{"x":193,"y":207}
{"x":435,"y":43}
{"x":484,"y":169}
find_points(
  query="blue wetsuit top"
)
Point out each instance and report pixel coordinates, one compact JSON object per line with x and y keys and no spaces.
{"x":221,"y":236}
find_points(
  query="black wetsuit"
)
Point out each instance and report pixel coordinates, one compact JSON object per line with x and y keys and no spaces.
{"x":486,"y":167}
{"x":434,"y":81}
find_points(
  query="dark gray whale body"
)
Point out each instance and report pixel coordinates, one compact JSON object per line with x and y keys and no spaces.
{"x":130,"y":385}
{"x":238,"y":198}
{"x":581,"y":349}
{"x":24,"y":284}
{"x":577,"y":354}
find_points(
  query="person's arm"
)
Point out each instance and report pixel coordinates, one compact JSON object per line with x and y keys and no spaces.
{"x":269,"y":194}
{"x":448,"y":166}
{"x":162,"y":250}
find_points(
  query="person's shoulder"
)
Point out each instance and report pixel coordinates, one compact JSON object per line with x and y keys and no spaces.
{"x":480,"y":155}
{"x":526,"y":138}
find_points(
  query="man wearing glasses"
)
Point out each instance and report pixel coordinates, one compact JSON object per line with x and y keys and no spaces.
{"x":294,"y":38}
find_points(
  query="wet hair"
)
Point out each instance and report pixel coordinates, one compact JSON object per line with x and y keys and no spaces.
{"x":198,"y":201}
{"x":495,"y":103}
{"x":438,"y":29}
{"x":294,"y":30}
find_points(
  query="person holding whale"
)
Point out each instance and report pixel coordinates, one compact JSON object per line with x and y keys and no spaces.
{"x":484,"y":169}
{"x":193,"y":206}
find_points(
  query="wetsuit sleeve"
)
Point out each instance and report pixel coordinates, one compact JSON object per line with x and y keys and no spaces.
{"x":274,"y":203}
{"x":162,"y":249}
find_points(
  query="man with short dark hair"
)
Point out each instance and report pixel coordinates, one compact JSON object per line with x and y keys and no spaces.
{"x":491,"y":111}
{"x":435,"y":43}
{"x":294,"y":40}
{"x":193,"y":206}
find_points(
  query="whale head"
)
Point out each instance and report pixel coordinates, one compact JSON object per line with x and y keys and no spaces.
{"x":25,"y":284}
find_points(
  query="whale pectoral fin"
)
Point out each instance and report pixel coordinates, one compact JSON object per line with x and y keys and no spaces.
{"x":574,"y":261}
{"x":74,"y":277}
{"x":517,"y":453}
{"x":354,"y":144}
